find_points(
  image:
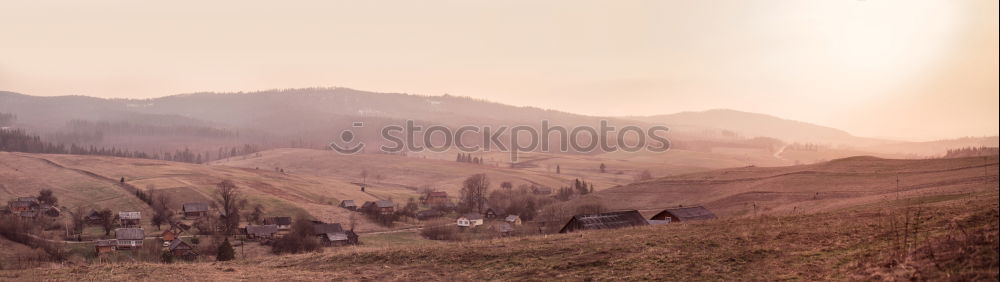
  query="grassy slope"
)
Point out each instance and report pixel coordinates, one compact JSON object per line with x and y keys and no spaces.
{"x":855,"y":243}
{"x":806,"y":188}
{"x":440,"y":171}
{"x":84,"y":180}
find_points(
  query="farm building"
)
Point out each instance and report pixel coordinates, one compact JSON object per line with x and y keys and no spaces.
{"x":51,"y":211}
{"x":104,"y":246}
{"x":261,"y":231}
{"x":607,"y":220}
{"x":505,"y":229}
{"x":22,"y":204}
{"x":428,"y":214}
{"x":180,"y":249}
{"x":168,"y":235}
{"x":129,"y":238}
{"x":541,"y":190}
{"x":348,"y":204}
{"x":436,"y":198}
{"x":130,"y":219}
{"x":283,"y":222}
{"x":28,"y":215}
{"x":385,"y":207}
{"x":469,"y":220}
{"x":492,"y":213}
{"x":93,"y":218}
{"x":194,"y":210}
{"x":513,"y":219}
{"x":684,"y":214}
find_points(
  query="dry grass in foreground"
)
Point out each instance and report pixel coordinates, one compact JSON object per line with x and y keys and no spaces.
{"x":918,"y":238}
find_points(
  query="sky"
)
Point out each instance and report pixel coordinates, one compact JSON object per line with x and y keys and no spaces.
{"x":907,"y":69}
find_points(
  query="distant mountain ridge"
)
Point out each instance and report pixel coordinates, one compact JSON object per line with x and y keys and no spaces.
{"x":315,"y":115}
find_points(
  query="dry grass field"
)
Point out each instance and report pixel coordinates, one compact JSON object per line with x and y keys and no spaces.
{"x":921,"y":238}
{"x":827,"y":186}
{"x":91,"y":181}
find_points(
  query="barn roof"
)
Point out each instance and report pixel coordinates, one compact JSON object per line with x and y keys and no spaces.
{"x":105,"y":243}
{"x":385,"y":204}
{"x":178,"y":244}
{"x":262,"y":230}
{"x":348,"y":203}
{"x":607,"y":220}
{"x":279,"y":220}
{"x":129,"y":234}
{"x":336,"y":236}
{"x":195,"y":207}
{"x":324,"y":228}
{"x":511,"y":218}
{"x":687,"y":213}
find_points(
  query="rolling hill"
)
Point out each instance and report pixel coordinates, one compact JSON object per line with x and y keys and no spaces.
{"x":820,"y":187}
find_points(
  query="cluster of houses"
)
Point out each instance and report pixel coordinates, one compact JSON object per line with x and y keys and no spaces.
{"x":31,"y":208}
{"x":330,"y":234}
{"x":630,"y":218}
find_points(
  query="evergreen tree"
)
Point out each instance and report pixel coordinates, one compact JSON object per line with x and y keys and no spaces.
{"x":226,"y":252}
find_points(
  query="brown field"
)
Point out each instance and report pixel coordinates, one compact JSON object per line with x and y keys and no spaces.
{"x":827,"y":186}
{"x":921,"y":238}
{"x":91,"y":181}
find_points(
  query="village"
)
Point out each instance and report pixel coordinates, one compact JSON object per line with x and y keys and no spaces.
{"x":202,"y":231}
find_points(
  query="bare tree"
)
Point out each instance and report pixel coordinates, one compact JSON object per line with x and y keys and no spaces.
{"x":161,"y":210}
{"x":474,"y":191}
{"x":229,"y":200}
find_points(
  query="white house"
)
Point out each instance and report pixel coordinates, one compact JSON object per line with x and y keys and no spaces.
{"x":470,"y":220}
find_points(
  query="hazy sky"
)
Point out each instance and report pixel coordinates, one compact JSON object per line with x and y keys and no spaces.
{"x":906,"y":69}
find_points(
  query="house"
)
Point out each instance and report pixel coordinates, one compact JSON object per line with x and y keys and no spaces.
{"x":343,"y":238}
{"x":129,"y":238}
{"x":367,"y":206}
{"x":180,"y":249}
{"x":28,"y":215}
{"x":348,"y":204}
{"x":261,"y":231}
{"x":436,"y":198}
{"x":22,"y":204}
{"x":428,"y":214}
{"x":94,"y":218}
{"x":505,"y":229}
{"x":283,"y":222}
{"x":333,"y":234}
{"x":607,"y":220}
{"x":684,"y":214}
{"x":492,"y":213}
{"x":168,"y":235}
{"x":104,"y":246}
{"x":513,"y":219}
{"x":541,"y":190}
{"x":385,"y":207}
{"x":130,"y":219}
{"x":469,"y":220}
{"x":51,"y":211}
{"x":194,"y":210}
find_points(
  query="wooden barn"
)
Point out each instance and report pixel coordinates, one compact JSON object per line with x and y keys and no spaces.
{"x":255,"y":232}
{"x":684,"y":214}
{"x":104,"y":246}
{"x":130,"y":218}
{"x":180,"y":249}
{"x":129,"y":238}
{"x":348,"y":204}
{"x":607,"y":220}
{"x":385,"y":207}
{"x":194,"y":210}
